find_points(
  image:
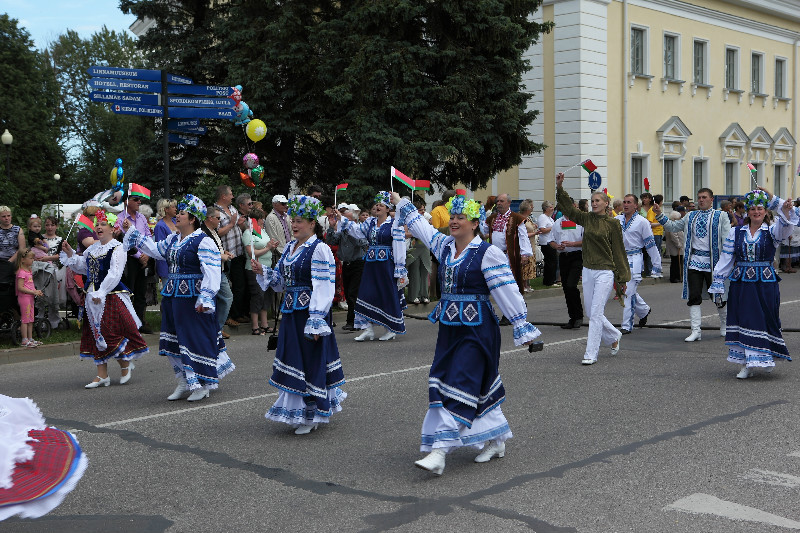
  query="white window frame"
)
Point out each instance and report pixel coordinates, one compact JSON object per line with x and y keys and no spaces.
{"x":783,"y":86}
{"x":761,"y":56}
{"x":645,"y":158}
{"x":676,"y":178}
{"x":703,"y":161}
{"x":734,"y":178}
{"x":704,"y":44}
{"x":778,"y":183}
{"x":676,"y":75}
{"x":645,"y":49}
{"x":736,"y":84}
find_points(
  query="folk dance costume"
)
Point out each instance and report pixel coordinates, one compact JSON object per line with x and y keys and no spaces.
{"x":753,"y":332}
{"x":307,"y":372}
{"x":604,"y":264}
{"x":464,"y":386}
{"x":192,"y":341}
{"x":380,"y":295}
{"x":637,"y":234}
{"x":39,"y":465}
{"x":705,"y":233}
{"x":118,"y":335}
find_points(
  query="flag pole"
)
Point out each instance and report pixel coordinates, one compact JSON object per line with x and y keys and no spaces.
{"x":73,"y":226}
{"x":252,"y":239}
{"x":391,"y":179}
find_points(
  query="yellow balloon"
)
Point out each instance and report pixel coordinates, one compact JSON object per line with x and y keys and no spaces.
{"x":256,"y":130}
{"x":113,"y":176}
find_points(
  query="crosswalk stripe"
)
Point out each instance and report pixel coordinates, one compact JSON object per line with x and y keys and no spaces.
{"x":700,"y":503}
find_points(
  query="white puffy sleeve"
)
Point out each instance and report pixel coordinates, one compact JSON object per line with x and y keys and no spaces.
{"x":211,"y":267}
{"x":782,"y":228}
{"x":650,"y":246}
{"x":145,"y":243}
{"x":524,"y":240}
{"x":272,"y":277}
{"x":358,"y":230}
{"x":505,"y":292}
{"x":323,"y":287}
{"x":76,"y":262}
{"x":407,"y":215}
{"x":724,"y":265}
{"x":399,"y":250}
{"x":118,"y":260}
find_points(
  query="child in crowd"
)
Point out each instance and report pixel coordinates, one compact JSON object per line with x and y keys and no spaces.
{"x":35,"y":237}
{"x":26,"y":290}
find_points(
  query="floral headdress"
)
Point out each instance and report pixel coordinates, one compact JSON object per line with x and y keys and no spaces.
{"x":754,"y":198}
{"x":100,"y":216}
{"x":458,"y":205}
{"x":383,"y":197}
{"x":194,"y":206}
{"x":306,"y":207}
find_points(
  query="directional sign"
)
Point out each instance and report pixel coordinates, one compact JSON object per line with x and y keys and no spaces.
{"x":595,"y":180}
{"x":128,"y":98}
{"x":194,"y":130}
{"x":127,"y":73}
{"x":188,"y":140}
{"x":174,"y":78}
{"x":200,"y":102}
{"x":174,"y":124}
{"x":202,"y":90}
{"x":125,"y":85}
{"x":201,"y":112}
{"x":126,"y":109}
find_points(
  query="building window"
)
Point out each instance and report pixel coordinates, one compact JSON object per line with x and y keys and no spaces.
{"x":669,"y":180}
{"x":731,"y":68}
{"x":637,"y":176}
{"x":780,"y":78}
{"x":730,"y":178}
{"x":670,"y":49}
{"x":756,"y":64}
{"x":697,"y":179}
{"x":699,"y":72}
{"x":778,"y":180}
{"x":638,"y":50}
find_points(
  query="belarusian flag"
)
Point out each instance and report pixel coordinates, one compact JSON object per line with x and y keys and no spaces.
{"x":414,"y":185}
{"x":86,"y":222}
{"x":138,"y":190}
{"x":588,"y":166}
{"x":341,"y":187}
{"x":752,"y":168}
{"x":255,"y":227}
{"x":568,"y":224}
{"x":461,"y":192}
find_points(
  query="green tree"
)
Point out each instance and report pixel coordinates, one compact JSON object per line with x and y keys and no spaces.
{"x":28,"y":109}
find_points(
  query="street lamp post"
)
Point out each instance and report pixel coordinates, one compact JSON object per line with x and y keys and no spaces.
{"x":57,"y":177}
{"x":7,"y":139}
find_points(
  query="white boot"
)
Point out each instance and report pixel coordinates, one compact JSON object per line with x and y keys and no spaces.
{"x":179,"y":390}
{"x":198,"y":395}
{"x":744,"y":373}
{"x":495,"y":448}
{"x":434,"y":462}
{"x":367,"y":334}
{"x":389,"y":335}
{"x":696,"y":315}
{"x":723,"y":320}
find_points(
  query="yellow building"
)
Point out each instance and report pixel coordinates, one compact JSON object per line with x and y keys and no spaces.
{"x":683,"y":92}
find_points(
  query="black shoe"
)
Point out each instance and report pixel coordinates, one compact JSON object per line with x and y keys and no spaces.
{"x":333,"y":324}
{"x":568,"y":325}
{"x":146,"y":330}
{"x":348,"y":328}
{"x":504,"y":321}
{"x":625,"y":331}
{"x":577,"y":323}
{"x":643,"y":320}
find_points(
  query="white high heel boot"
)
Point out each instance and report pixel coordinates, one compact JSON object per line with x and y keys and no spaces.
{"x":723,"y":320}
{"x":696,"y":315}
{"x":389,"y":335}
{"x":179,"y":390}
{"x":367,"y":335}
{"x":433,"y":462}
{"x":489,"y":451}
{"x":198,"y":394}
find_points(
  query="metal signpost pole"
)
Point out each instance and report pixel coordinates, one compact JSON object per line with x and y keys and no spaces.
{"x":164,"y":130}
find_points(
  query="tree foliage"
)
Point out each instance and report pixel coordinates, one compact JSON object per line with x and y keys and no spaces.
{"x":350,"y":87}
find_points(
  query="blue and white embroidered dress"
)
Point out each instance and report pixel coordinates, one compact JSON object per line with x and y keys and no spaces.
{"x":307,"y":372}
{"x":192,"y":341}
{"x":637,"y":234}
{"x":753,"y":332}
{"x":464,"y":386}
{"x":380,"y":301}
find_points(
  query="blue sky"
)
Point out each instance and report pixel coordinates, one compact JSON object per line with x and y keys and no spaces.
{"x":45,"y":20}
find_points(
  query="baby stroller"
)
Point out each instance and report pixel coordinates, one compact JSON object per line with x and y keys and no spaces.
{"x":10,"y":321}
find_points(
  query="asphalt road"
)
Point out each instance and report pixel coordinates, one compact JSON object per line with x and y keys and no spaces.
{"x":660,"y":438}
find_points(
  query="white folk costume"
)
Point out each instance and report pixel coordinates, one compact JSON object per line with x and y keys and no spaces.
{"x":192,"y":341}
{"x":464,"y":386}
{"x":637,"y":234}
{"x":705,"y":232}
{"x":753,"y":332}
{"x":39,"y":465}
{"x":307,"y":372}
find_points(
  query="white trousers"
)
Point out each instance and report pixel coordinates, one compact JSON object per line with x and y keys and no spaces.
{"x":597,"y":285}
{"x":635,"y":306}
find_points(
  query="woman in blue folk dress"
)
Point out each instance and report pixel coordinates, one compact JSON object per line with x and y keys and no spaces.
{"x":753,"y":332}
{"x":464,"y":386}
{"x":190,"y":335}
{"x":380,"y":295}
{"x":307,"y":369}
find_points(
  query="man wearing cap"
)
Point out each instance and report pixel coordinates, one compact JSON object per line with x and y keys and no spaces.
{"x":278,"y":227}
{"x":136,"y":264}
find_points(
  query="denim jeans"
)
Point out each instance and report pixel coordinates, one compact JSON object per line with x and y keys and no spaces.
{"x":224,"y":300}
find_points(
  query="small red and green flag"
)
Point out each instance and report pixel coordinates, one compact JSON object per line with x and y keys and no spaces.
{"x":86,"y":222}
{"x":414,"y":185}
{"x":568,"y":224}
{"x":752,"y":168}
{"x":255,"y":227}
{"x":138,"y":190}
{"x":588,"y":166}
{"x":647,"y":184}
{"x":341,"y":187}
{"x":461,"y":192}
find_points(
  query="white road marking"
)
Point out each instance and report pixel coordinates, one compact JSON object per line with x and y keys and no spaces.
{"x":794,"y":454}
{"x":700,"y":503}
{"x":772,"y":478}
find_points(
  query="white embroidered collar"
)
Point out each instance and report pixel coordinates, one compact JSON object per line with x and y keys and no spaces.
{"x":97,"y":249}
{"x":306,"y":244}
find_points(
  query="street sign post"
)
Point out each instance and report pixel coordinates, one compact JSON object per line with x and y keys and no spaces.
{"x":196,"y":130}
{"x":145,"y":110}
{"x":127,"y":73}
{"x":221,"y":91}
{"x":128,"y":98}
{"x":175,"y":124}
{"x":201,"y":112}
{"x":189,"y":101}
{"x":125,"y":85}
{"x":595,"y":180}
{"x":189,"y":140}
{"x":174,"y":78}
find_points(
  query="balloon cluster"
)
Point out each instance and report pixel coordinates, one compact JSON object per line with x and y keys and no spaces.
{"x":117,"y":176}
{"x":255,"y":172}
{"x":256,"y":129}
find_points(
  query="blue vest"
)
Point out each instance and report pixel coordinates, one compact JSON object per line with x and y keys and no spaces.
{"x":380,"y":242}
{"x":297,"y":278}
{"x":753,"y":259}
{"x":185,"y":277}
{"x":97,"y":269}
{"x":465,"y":293}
